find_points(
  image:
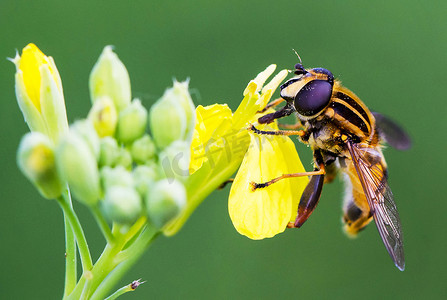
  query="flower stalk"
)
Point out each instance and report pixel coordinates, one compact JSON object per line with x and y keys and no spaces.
{"x":137,"y":184}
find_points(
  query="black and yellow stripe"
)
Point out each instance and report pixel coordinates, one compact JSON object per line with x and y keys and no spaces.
{"x":350,"y":112}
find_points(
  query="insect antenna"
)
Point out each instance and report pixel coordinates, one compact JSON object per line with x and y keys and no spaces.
{"x":297,"y":55}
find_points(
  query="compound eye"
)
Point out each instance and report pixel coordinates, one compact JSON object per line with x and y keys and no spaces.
{"x":313,"y":97}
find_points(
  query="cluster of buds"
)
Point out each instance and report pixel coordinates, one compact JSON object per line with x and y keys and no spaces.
{"x":108,"y":159}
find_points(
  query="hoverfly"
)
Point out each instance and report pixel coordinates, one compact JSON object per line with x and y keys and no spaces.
{"x":346,"y":136}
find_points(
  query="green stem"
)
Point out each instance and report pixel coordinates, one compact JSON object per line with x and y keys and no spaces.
{"x":102,"y":223}
{"x":70,"y":252}
{"x":133,"y":253}
{"x":121,"y":291}
{"x":135,"y":228}
{"x":84,"y":251}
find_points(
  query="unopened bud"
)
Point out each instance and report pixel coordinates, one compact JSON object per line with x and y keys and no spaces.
{"x":109,"y":77}
{"x":132,"y":122}
{"x":109,"y":151}
{"x":175,"y":160}
{"x":77,"y":165}
{"x":35,"y":158}
{"x":144,"y":176}
{"x":85,"y":129}
{"x":122,"y":205}
{"x":172,"y":117}
{"x":39,"y":93}
{"x":104,"y":117}
{"x":118,"y":176}
{"x":164,"y":201}
{"x":143,"y":149}
{"x":124,"y":158}
{"x":180,"y":92}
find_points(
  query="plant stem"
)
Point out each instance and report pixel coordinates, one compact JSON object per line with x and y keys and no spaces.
{"x":102,"y":223}
{"x":70,"y":252}
{"x":121,"y":291}
{"x":133,"y":253}
{"x":84,"y":251}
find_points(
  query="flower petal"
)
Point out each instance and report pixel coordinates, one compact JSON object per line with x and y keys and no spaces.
{"x":266,"y":212}
{"x":211,"y":123}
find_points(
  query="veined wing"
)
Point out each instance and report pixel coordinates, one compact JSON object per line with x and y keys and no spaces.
{"x":371,"y":170}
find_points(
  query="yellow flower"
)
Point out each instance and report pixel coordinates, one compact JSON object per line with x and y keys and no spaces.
{"x":220,"y":141}
{"x":265,"y":212}
{"x":39,"y":92}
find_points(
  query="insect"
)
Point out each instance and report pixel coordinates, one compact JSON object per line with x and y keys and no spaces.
{"x":345,"y":136}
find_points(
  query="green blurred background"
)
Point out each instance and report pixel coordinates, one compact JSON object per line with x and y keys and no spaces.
{"x":391,"y":53}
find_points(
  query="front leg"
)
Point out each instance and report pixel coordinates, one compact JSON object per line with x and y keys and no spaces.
{"x":283,"y":112}
{"x":300,"y":133}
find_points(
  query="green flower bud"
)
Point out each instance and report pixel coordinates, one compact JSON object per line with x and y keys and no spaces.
{"x":35,"y":158}
{"x":164,"y":201}
{"x":77,"y":165}
{"x":124,"y":158}
{"x":144,"y":176}
{"x":109,"y":77}
{"x":122,"y":205}
{"x":109,"y":152}
{"x":143,"y":149}
{"x":175,"y":160}
{"x":172,"y":117}
{"x":104,"y":117}
{"x":118,"y":176}
{"x":132,"y":122}
{"x":85,"y":129}
{"x":181,"y":93}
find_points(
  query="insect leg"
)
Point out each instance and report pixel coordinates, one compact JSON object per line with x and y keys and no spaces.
{"x":224,"y":184}
{"x":312,"y":192}
{"x":272,"y":104}
{"x":291,"y":126}
{"x":255,"y":186}
{"x":309,"y":200}
{"x":283,"y":112}
{"x":278,"y":132}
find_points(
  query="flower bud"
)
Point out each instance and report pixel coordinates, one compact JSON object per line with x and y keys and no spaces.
{"x":143,"y":149}
{"x":39,"y":93}
{"x":85,"y":129}
{"x":77,"y":165}
{"x":122,"y":205}
{"x":172,"y":117}
{"x":118,"y":176}
{"x":124,"y":158}
{"x":104,"y":117}
{"x":109,"y":77}
{"x":132,"y":122}
{"x":164,"y":201}
{"x":181,"y":93}
{"x":35,"y":158}
{"x":109,"y":152}
{"x":144,"y":176}
{"x":175,"y":159}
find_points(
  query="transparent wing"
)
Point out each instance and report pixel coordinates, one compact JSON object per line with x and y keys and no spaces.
{"x":392,"y":133}
{"x":371,"y":170}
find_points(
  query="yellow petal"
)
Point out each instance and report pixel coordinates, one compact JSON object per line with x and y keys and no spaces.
{"x":266,"y":212}
{"x":30,"y":61}
{"x":211,"y":122}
